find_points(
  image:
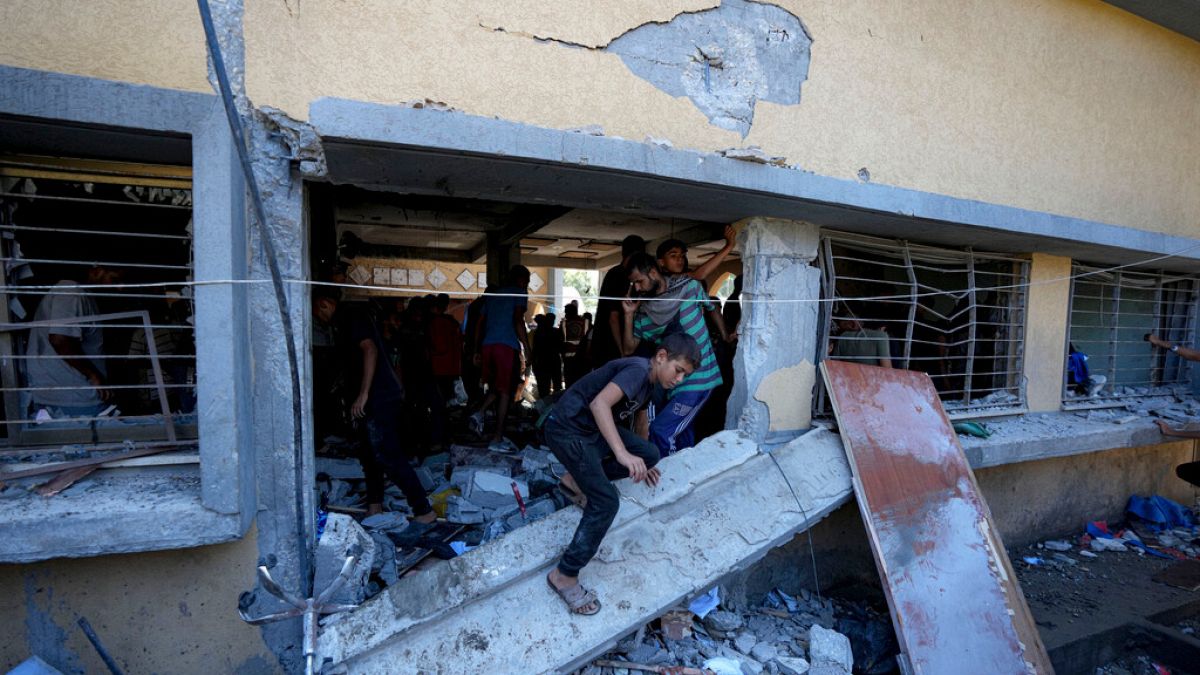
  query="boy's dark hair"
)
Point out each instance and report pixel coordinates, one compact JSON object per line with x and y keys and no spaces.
{"x":442,"y":301}
{"x":642,"y":262}
{"x":632,"y":244}
{"x":666,"y":247}
{"x":518,"y":273}
{"x":681,"y":346}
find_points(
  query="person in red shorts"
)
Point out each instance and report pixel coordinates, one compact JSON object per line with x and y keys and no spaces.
{"x":499,"y":337}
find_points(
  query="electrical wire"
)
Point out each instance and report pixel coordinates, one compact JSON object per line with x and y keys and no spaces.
{"x":812,"y":554}
{"x":240,"y":140}
{"x":546,"y":296}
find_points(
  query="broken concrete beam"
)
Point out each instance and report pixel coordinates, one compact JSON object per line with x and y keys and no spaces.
{"x":493,"y":491}
{"x":343,"y":536}
{"x":534,"y":511}
{"x":720,"y":507}
{"x":829,"y":652}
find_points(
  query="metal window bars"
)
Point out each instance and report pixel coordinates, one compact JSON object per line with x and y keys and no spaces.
{"x":60,"y":218}
{"x":1110,"y":314}
{"x":958,"y":315}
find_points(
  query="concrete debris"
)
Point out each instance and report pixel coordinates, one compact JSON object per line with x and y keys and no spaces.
{"x":829,"y":651}
{"x":342,"y":469}
{"x":753,"y":154}
{"x":534,"y":511}
{"x":462,"y":511}
{"x":745,"y":642}
{"x":386,"y":522}
{"x":426,"y":478}
{"x":1102,"y":544}
{"x":792,"y":665}
{"x":1058,"y":545}
{"x":493,"y":491}
{"x":1088,"y":554}
{"x":343,"y":536}
{"x":721,"y":624}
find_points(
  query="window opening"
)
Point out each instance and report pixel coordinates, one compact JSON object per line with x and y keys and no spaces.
{"x":1111,"y":312}
{"x":958,"y":315}
{"x":71,"y":222}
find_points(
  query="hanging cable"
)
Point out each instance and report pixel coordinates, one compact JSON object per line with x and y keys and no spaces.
{"x":241,"y":140}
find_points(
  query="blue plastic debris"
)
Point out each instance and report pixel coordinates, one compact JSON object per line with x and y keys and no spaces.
{"x":1160,"y":513}
{"x":1033,"y":560}
{"x":706,"y":603}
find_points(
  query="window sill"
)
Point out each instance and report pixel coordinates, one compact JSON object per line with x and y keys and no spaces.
{"x":113,"y":511}
{"x":1036,"y":436}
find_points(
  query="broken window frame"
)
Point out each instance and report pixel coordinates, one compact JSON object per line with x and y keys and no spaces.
{"x":911,"y":258}
{"x":22,"y":431}
{"x":1173,"y":318}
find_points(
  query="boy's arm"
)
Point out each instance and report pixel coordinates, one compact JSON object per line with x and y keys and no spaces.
{"x":701,"y":273}
{"x":601,"y":408}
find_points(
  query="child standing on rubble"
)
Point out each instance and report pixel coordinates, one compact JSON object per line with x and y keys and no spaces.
{"x":583,"y":433}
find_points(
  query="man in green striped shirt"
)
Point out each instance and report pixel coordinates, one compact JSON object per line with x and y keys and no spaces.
{"x":675,"y":303}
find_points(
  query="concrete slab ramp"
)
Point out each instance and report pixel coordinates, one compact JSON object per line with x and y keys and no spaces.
{"x":720,"y":506}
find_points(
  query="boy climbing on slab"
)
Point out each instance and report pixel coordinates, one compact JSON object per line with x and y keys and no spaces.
{"x":583,"y":433}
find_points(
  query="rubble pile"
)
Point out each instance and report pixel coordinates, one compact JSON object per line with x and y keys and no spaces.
{"x":478,"y":494}
{"x":783,"y":635}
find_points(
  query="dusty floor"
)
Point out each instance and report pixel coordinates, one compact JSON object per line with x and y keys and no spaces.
{"x":1070,"y":602}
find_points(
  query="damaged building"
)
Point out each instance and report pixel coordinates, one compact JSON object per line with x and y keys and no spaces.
{"x":999,"y":196}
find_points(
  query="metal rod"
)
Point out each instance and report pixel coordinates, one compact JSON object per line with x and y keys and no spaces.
{"x":92,"y":263}
{"x":106,"y":233}
{"x":109,"y":662}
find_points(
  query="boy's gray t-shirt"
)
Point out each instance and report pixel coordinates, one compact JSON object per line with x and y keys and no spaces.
{"x":631,"y":374}
{"x":53,"y":370}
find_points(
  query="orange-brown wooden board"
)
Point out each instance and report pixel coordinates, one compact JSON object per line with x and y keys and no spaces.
{"x":955,"y":602}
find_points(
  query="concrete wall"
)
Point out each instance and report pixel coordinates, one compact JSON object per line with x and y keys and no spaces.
{"x":1047,"y":301}
{"x":1030,"y":502}
{"x":1071,"y":107}
{"x":166,"y":612}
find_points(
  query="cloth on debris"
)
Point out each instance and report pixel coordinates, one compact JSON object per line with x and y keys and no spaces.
{"x":706,"y":603}
{"x":1099,"y":530}
{"x":1160,"y":513}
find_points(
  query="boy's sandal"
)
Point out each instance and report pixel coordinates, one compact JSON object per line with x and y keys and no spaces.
{"x":576,"y":498}
{"x":577,"y":597}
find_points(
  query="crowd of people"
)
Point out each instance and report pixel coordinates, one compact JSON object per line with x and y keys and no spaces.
{"x":622,"y":390}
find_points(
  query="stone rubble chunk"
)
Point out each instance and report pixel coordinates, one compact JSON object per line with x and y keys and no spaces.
{"x":1058,"y":545}
{"x":721,"y":623}
{"x":791,"y":665}
{"x":745,"y":642}
{"x":342,"y":469}
{"x":343,"y":535}
{"x":534,"y":511}
{"x":462,"y":511}
{"x":829,"y":648}
{"x":1102,"y":544}
{"x":764,"y":652}
{"x":389,"y":521}
{"x":493,"y":491}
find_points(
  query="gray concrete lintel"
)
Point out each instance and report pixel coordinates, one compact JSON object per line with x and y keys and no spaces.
{"x":440,"y":152}
{"x":721,"y":506}
{"x":1036,"y":436}
{"x":113,"y":512}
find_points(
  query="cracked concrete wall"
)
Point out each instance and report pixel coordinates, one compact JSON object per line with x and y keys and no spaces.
{"x":1017,"y":102}
{"x":773,"y":382}
{"x":162,"y":612}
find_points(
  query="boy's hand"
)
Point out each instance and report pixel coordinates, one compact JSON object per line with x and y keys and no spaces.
{"x":630,"y":306}
{"x":635,"y":465}
{"x":653,"y":475}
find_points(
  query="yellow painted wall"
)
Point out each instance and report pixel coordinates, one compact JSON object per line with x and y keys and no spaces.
{"x":157,"y":42}
{"x":1066,"y":106}
{"x":162,"y":612}
{"x":1046,"y":323}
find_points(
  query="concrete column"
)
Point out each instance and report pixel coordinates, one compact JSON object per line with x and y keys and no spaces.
{"x":1046,"y":325}
{"x":773,"y":369}
{"x":500,"y":257}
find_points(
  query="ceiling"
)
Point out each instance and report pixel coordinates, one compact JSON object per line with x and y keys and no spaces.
{"x":1181,"y":16}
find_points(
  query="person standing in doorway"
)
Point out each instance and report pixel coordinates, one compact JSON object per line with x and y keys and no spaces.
{"x":606,"y":336}
{"x":499,"y":336}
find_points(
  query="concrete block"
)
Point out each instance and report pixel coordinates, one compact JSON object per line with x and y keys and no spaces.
{"x":342,"y":469}
{"x":829,"y":650}
{"x":720,"y":507}
{"x":463,"y":512}
{"x":426,"y":478}
{"x":493,"y":491}
{"x":534,"y":511}
{"x":342,"y":536}
{"x":791,"y":665}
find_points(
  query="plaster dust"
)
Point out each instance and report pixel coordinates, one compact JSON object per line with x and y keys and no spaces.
{"x":787,"y":393}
